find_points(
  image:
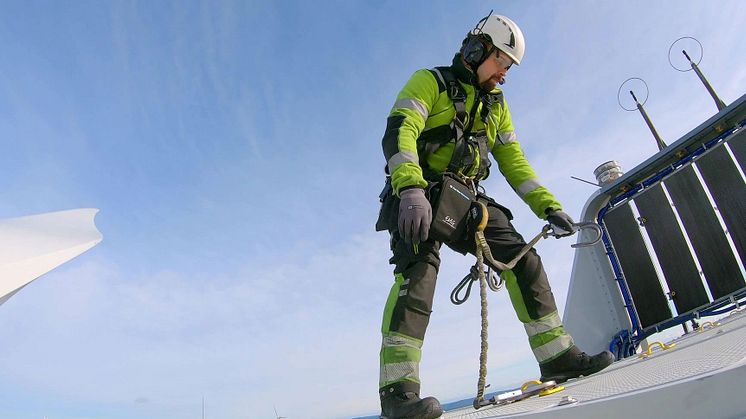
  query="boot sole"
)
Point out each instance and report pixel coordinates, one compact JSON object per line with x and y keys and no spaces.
{"x":561,"y":378}
{"x":428,"y":416}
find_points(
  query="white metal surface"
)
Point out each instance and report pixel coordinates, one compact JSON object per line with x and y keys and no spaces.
{"x":34,"y":245}
{"x":594,"y":310}
{"x":703,"y":376}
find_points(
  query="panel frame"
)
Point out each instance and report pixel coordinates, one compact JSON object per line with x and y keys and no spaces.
{"x":705,"y":233}
{"x":671,"y":250}
{"x":643,"y":283}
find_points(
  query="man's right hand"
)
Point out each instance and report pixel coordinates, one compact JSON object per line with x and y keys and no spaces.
{"x":562,"y":223}
{"x":415,"y":215}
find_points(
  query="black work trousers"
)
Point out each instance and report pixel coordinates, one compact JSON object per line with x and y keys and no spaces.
{"x":410,"y":301}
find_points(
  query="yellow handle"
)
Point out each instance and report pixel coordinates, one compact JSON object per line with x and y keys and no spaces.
{"x":701,"y":327}
{"x":551,"y":390}
{"x":650,"y":348}
{"x":544,"y":392}
{"x":528,"y":383}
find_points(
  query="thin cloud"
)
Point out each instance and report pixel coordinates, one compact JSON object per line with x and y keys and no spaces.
{"x":235,"y":152}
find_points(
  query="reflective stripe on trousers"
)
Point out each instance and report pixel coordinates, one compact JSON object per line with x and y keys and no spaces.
{"x":400,"y":359}
{"x":547,"y":337}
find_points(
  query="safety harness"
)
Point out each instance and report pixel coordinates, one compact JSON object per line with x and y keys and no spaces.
{"x":459,"y":130}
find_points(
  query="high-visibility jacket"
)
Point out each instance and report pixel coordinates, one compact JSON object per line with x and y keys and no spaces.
{"x":423,"y":105}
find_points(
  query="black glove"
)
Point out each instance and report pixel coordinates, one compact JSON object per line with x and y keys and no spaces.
{"x":561,"y":223}
{"x":415,"y":215}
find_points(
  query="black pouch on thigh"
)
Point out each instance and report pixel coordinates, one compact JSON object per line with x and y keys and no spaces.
{"x":451,"y":200}
{"x":388,"y":216}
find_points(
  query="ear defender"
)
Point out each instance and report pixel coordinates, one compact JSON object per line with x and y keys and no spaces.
{"x":474,"y":51}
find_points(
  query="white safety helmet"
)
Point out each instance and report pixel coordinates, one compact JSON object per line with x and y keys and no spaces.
{"x":504,"y":34}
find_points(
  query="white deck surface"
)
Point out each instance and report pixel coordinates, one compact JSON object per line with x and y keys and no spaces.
{"x":703,"y":376}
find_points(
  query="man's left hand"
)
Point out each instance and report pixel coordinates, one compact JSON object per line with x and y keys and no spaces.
{"x":561,"y":223}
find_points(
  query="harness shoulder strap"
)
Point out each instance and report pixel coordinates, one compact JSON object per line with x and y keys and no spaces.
{"x":487,"y":102}
{"x":455,"y":92}
{"x":460,"y":126}
{"x":432,"y":140}
{"x":462,"y":121}
{"x":484,"y":155}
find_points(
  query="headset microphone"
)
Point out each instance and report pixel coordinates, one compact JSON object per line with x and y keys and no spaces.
{"x":475,"y":51}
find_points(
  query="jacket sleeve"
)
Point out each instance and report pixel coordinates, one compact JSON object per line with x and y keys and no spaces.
{"x":516,"y":168}
{"x":404,"y":125}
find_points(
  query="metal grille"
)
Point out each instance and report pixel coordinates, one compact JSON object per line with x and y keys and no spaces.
{"x":703,"y":229}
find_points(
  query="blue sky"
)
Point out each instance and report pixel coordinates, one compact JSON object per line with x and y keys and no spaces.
{"x":234,"y":151}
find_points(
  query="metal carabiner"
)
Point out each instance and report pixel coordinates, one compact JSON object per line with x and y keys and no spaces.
{"x":549,"y":230}
{"x":589,"y":225}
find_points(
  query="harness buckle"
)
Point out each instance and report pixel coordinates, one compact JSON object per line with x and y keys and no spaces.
{"x":456,"y":93}
{"x":461,"y":119}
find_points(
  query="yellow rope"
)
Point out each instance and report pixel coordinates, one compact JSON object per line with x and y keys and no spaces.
{"x":479,"y":238}
{"x":483,"y":253}
{"x":483,"y":350}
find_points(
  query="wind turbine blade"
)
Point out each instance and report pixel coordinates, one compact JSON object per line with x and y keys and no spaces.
{"x":33,"y":245}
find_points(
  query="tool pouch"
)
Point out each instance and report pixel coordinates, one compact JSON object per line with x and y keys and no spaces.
{"x":451,"y":200}
{"x":389,"y":214}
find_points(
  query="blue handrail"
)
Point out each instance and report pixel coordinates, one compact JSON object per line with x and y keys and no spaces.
{"x":626,"y":341}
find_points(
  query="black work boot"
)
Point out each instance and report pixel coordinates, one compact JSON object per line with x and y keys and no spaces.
{"x":573,"y":364}
{"x":398,"y":404}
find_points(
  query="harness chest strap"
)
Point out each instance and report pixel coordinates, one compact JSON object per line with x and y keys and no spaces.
{"x":461,"y":126}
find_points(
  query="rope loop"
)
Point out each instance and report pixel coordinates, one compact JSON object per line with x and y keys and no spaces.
{"x":495,"y":282}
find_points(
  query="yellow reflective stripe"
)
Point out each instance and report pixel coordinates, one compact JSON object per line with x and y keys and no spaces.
{"x":550,"y":350}
{"x":400,"y":371}
{"x":401,"y":340}
{"x":413,"y":104}
{"x":528,"y":186}
{"x":507,"y":137}
{"x":400,"y":359}
{"x":401,"y":158}
{"x":423,"y":88}
{"x":542,"y":325}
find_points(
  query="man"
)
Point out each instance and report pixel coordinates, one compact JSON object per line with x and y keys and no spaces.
{"x":445,"y":122}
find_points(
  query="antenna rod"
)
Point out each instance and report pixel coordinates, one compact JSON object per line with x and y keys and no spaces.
{"x":658,"y":140}
{"x":586,"y":181}
{"x":718,"y":102}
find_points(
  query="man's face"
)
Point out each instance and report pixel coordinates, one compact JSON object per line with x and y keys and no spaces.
{"x":493,"y":70}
